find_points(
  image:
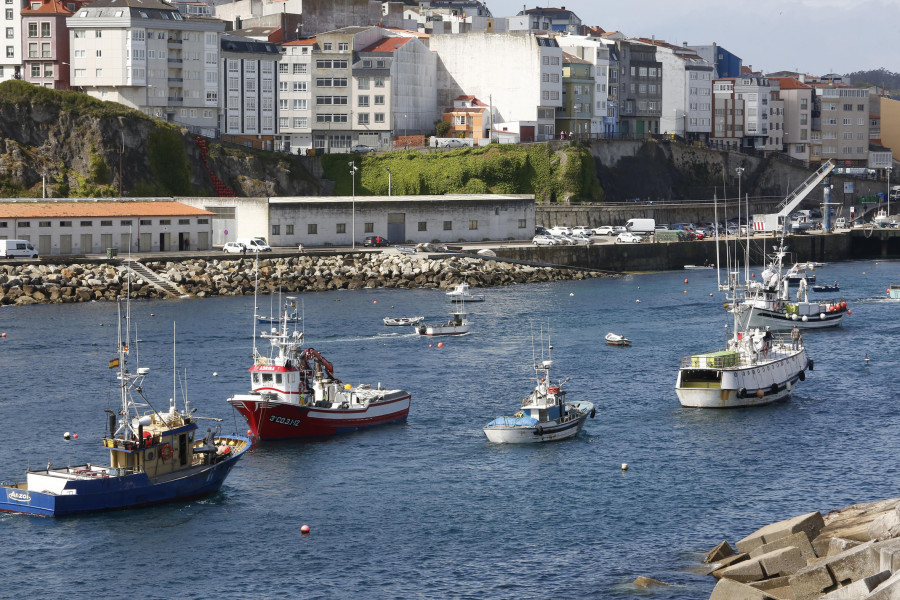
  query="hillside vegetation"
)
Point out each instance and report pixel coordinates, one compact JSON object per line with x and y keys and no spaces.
{"x":565,"y":173}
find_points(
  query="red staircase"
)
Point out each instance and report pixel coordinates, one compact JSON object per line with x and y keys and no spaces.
{"x":222,"y":190}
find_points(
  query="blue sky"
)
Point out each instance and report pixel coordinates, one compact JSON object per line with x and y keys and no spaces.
{"x":812,"y":36}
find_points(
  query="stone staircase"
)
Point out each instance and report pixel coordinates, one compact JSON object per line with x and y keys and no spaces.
{"x":145,"y":273}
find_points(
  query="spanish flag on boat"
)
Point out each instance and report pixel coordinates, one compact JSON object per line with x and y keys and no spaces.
{"x":114,"y":363}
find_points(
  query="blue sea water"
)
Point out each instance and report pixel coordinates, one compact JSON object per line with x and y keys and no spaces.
{"x":429,"y":508}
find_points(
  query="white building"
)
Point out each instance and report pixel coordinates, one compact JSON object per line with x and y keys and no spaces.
{"x":147,"y":55}
{"x":686,"y":92}
{"x":748,"y":113}
{"x":248,"y":95}
{"x":11,"y":57}
{"x":518,"y":74}
{"x":295,"y":96}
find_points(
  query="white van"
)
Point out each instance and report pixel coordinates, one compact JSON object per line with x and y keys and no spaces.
{"x":641,"y":226}
{"x":840,"y":223}
{"x":17,"y":249}
{"x":254,"y":244}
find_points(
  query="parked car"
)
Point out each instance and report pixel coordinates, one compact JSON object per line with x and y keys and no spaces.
{"x":628,"y":237}
{"x":375,"y":241}
{"x":582,"y":239}
{"x":543,"y":240}
{"x":453,"y":143}
{"x":560,"y":230}
{"x":840,"y":223}
{"x":362,"y":149}
{"x":541,"y":231}
{"x":605,"y":230}
{"x":581,"y":229}
{"x":233,"y":248}
{"x":563,"y":240}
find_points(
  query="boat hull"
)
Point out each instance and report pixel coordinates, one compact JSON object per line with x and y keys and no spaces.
{"x":116,"y":492}
{"x":547,"y":431}
{"x":283,"y":421}
{"x":442,"y":330}
{"x":756,"y":317}
{"x":754,"y":385}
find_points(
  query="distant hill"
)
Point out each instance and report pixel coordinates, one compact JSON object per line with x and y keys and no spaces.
{"x":877,"y":77}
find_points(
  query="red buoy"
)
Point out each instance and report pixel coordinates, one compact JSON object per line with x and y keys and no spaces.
{"x":3,"y":335}
{"x":249,"y":433}
{"x":685,"y":280}
{"x":304,"y":529}
{"x":74,"y":436}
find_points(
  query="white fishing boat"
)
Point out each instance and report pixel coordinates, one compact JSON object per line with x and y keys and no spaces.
{"x":798,"y":272}
{"x":894,"y":291}
{"x":691,"y":267}
{"x":458,"y":324}
{"x":881,"y":218}
{"x":461,"y":292}
{"x":545,"y":414}
{"x":402,"y":321}
{"x":767,"y":302}
{"x":614,"y":339}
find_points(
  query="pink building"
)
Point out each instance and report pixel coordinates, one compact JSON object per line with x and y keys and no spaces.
{"x":45,"y":42}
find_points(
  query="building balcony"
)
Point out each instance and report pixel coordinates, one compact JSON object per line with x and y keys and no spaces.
{"x":174,"y":43}
{"x":176,"y":81}
{"x":175,"y":101}
{"x":175,"y":61}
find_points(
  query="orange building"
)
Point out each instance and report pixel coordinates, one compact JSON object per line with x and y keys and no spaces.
{"x":466,"y":118}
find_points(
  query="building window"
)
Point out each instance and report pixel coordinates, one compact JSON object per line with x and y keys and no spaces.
{"x":423,"y":225}
{"x":312,"y":228}
{"x":473,"y":224}
{"x":32,"y":28}
{"x":125,"y":223}
{"x":65,"y":223}
{"x":363,"y":118}
{"x":522,"y":223}
{"x":84,"y":223}
{"x":363,"y":101}
{"x":25,"y":224}
{"x":289,"y":229}
{"x":379,"y":117}
{"x":369,"y":228}
{"x":448,"y":225}
{"x":45,"y":29}
{"x":184,"y":221}
{"x":43,"y":223}
{"x":202,"y":221}
{"x":326,"y":47}
{"x":276,"y":229}
{"x":146,"y":222}
{"x":340,"y":228}
{"x":379,"y":82}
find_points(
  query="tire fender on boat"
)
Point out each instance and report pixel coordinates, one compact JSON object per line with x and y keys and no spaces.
{"x":774,"y":388}
{"x":809,"y":364}
{"x":593,"y":412}
{"x":539,"y":430}
{"x":742,"y":392}
{"x":802,"y":376}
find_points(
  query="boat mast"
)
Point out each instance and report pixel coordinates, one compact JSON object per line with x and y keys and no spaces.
{"x":255,"y":307}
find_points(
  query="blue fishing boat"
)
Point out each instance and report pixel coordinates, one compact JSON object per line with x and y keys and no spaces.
{"x":154,"y":457}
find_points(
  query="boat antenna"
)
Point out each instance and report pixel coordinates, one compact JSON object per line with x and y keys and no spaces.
{"x":255,"y":307}
{"x":174,"y":369}
{"x":716,"y":227}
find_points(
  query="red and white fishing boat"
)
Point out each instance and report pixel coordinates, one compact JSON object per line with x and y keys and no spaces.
{"x":294,"y":393}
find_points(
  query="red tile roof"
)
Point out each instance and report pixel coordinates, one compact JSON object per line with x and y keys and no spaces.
{"x":388,"y":44}
{"x":51,"y":7}
{"x":307,"y":42}
{"x":791,"y":83}
{"x":27,"y":209}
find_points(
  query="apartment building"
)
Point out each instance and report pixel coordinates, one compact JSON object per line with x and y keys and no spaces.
{"x":295,"y":96}
{"x":687,"y":91}
{"x":726,"y":63}
{"x":147,"y":55}
{"x":11,"y":57}
{"x":640,"y":88}
{"x":45,"y":43}
{"x":844,"y":124}
{"x":574,"y":116}
{"x":798,"y":117}
{"x":248,"y":93}
{"x":747,"y":113}
{"x":518,"y":74}
{"x":545,"y":19}
{"x":597,"y":52}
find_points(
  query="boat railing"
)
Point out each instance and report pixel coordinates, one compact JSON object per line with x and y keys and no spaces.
{"x":779,"y":344}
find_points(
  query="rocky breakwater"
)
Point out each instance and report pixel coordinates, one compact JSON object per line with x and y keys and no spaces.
{"x":351,"y":271}
{"x":849,"y":554}
{"x":23,"y":284}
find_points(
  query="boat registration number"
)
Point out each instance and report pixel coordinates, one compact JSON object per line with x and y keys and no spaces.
{"x":284,"y":421}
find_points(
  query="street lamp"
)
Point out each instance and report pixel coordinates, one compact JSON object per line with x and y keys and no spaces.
{"x":889,"y":190}
{"x":353,"y":170}
{"x":388,"y":169}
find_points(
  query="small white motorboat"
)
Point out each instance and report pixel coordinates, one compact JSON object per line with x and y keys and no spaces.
{"x":461,"y":292}
{"x":614,"y":339}
{"x":698,"y":266}
{"x":407,"y":249}
{"x":457,"y":325}
{"x":401,"y":321}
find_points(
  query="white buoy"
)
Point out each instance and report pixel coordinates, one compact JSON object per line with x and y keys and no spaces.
{"x":67,"y":436}
{"x":624,"y":466}
{"x":637,"y":300}
{"x":571,"y":293}
{"x":215,"y":373}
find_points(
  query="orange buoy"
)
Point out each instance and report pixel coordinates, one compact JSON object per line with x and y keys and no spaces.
{"x":752,"y":275}
{"x":848,"y":312}
{"x":249,"y":433}
{"x":843,"y":304}
{"x":374,"y":301}
{"x":685,"y":291}
{"x":431,"y":345}
{"x":760,"y":393}
{"x":685,"y":280}
{"x":3,"y":335}
{"x":304,"y":529}
{"x":710,"y":293}
{"x":74,"y":436}
{"x":440,"y":344}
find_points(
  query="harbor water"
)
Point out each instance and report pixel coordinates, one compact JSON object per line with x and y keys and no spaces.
{"x":429,"y":508}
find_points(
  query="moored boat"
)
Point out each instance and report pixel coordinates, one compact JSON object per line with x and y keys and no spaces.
{"x":545,"y":414}
{"x":894,"y":290}
{"x":767,"y":302}
{"x":462,"y":293}
{"x":827,"y":287}
{"x":401,"y":321}
{"x":295,"y":393}
{"x":154,"y":457}
{"x":614,"y":339}
{"x":457,"y":325}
